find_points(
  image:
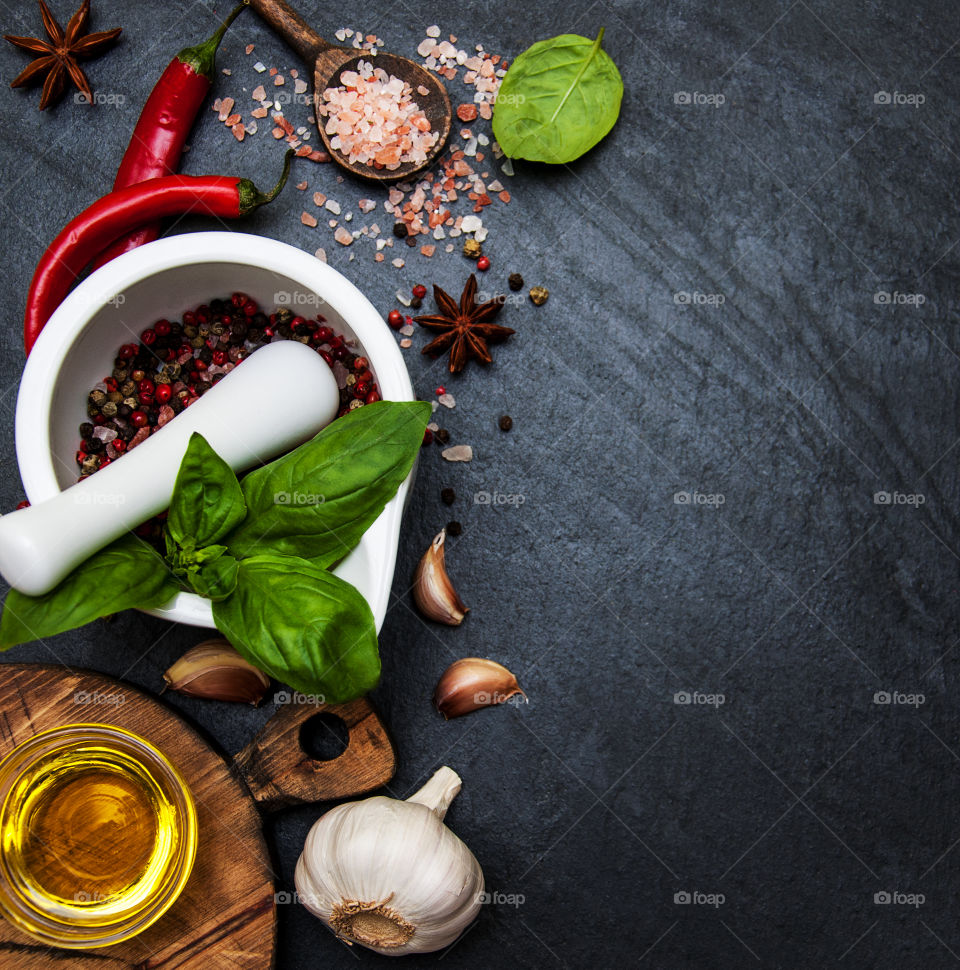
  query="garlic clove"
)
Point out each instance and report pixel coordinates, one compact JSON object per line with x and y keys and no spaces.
{"x":469,"y":684}
{"x":213,"y":669}
{"x":432,"y":590}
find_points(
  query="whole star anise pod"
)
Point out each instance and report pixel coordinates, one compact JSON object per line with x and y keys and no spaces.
{"x":465,"y":330}
{"x":58,"y":57}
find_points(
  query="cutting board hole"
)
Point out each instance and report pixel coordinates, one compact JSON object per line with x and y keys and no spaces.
{"x":324,"y":737}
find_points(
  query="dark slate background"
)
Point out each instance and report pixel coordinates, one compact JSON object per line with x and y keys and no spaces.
{"x":782,"y":585}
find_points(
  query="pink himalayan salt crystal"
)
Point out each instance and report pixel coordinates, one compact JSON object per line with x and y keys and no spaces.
{"x":373,"y":119}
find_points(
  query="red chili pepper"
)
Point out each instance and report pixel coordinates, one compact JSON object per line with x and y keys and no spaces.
{"x":165,"y":122}
{"x":117,"y":213}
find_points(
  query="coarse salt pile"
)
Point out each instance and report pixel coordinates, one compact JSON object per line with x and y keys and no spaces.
{"x":374,"y":120}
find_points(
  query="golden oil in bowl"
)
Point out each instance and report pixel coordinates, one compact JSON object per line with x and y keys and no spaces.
{"x":98,"y":833}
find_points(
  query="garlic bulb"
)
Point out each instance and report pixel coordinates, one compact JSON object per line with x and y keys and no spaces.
{"x":388,"y":874}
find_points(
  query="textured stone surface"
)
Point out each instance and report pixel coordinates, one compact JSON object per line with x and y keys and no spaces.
{"x":793,"y":401}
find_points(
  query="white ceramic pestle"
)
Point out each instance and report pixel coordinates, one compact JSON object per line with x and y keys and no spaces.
{"x":282,"y":395}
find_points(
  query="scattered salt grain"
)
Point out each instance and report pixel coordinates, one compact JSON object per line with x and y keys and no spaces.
{"x":308,"y":220}
{"x":343,"y":236}
{"x":249,"y":49}
{"x":447,"y":400}
{"x":399,"y":263}
{"x":402,"y":298}
{"x":406,"y":330}
{"x":406,"y":342}
{"x":433,"y":31}
{"x":458,"y":453}
{"x":259,"y":67}
{"x":300,"y":87}
{"x":321,"y":254}
{"x":333,"y":206}
{"x":319,"y":199}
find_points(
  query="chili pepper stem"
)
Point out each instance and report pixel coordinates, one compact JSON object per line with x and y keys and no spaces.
{"x":201,"y":57}
{"x":252,"y":198}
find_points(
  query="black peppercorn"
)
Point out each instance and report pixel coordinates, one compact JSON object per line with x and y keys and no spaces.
{"x":411,"y":240}
{"x":506,"y":423}
{"x":93,"y":446}
{"x":86,"y":429}
{"x":284,"y":315}
{"x":515,"y":282}
{"x":448,"y":495}
{"x":441,"y":436}
{"x":416,"y":303}
{"x":400,"y":230}
{"x":124,"y":411}
{"x":454,"y":528}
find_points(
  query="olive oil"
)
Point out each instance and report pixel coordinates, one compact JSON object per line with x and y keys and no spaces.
{"x":89,"y":827}
{"x":97,"y":835}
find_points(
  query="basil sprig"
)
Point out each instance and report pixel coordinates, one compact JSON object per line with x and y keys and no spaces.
{"x":260,"y":550}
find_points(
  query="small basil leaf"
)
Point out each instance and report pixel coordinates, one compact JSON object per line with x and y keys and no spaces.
{"x":302,"y":625}
{"x":557,"y":100}
{"x":207,"y":500}
{"x":317,"y":501}
{"x":126,"y":574}
{"x":216,"y":580}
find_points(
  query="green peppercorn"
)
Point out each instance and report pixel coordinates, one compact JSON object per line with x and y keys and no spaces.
{"x":109,"y":409}
{"x":217,"y":329}
{"x":284,"y":315}
{"x":97,"y":397}
{"x":189,"y":332}
{"x":127,"y":388}
{"x":354,"y":404}
{"x":472,"y":249}
{"x":90,"y":465}
{"x":198,"y":342}
{"x":539,"y":294}
{"x":138,"y":375}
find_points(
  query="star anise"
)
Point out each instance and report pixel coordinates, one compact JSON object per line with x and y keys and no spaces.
{"x":57,"y":58}
{"x":465,"y":330}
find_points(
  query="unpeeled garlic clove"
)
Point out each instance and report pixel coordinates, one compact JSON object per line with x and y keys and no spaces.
{"x":469,"y":684}
{"x":213,"y":669}
{"x":432,"y":590}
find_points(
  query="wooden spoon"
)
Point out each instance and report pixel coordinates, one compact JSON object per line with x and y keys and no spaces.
{"x":328,"y":63}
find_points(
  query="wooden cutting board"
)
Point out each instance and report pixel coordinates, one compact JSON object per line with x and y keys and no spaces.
{"x":226,"y":916}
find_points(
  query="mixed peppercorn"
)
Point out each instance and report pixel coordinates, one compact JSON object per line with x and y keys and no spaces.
{"x":176,"y":362}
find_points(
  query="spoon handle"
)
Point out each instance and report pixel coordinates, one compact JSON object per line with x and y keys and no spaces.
{"x":282,"y":18}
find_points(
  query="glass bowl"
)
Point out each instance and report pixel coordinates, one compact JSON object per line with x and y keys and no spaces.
{"x":98,"y":834}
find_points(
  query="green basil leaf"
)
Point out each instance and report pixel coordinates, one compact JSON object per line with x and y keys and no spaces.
{"x":207,"y":500}
{"x":318,"y":500}
{"x":217,"y":579}
{"x":126,"y":574}
{"x":302,"y":625}
{"x":557,"y":100}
